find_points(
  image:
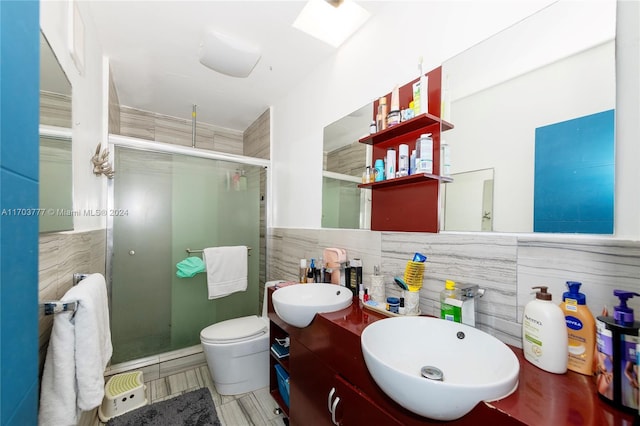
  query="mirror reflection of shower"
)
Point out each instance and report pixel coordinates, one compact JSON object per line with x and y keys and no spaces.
{"x":468,"y":201}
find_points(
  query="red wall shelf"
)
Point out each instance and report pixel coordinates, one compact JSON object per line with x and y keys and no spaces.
{"x":416,"y":123}
{"x":409,"y":203}
{"x":419,"y":177}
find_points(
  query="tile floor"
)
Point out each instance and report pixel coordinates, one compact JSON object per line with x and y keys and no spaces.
{"x":253,"y":408}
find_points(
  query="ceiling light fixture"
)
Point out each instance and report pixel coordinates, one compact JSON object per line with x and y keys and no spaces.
{"x":228,"y":55}
{"x":332,"y":21}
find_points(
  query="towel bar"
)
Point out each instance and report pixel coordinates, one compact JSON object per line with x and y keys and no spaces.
{"x":202,"y":250}
{"x":55,"y":307}
{"x":51,"y":307}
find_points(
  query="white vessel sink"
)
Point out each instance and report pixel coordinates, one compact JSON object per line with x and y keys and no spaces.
{"x":298,"y":304}
{"x":474,"y":365}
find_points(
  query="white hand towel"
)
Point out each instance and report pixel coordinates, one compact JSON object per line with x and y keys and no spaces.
{"x":79,"y":350}
{"x":226,"y":270}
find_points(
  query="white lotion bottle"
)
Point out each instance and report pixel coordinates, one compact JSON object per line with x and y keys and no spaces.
{"x":544,"y":334}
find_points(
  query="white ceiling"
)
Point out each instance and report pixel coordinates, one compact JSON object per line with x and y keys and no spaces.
{"x":153,"y":48}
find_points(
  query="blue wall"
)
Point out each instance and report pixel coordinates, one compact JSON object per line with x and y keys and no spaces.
{"x":19,"y":145}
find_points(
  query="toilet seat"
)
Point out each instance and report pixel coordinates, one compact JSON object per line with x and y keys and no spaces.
{"x":235,"y":330}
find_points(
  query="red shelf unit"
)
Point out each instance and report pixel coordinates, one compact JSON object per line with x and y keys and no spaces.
{"x":410,"y":203}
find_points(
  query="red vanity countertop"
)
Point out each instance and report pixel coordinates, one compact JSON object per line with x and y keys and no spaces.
{"x":542,"y":398}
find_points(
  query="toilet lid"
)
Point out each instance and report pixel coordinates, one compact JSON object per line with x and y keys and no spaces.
{"x":235,"y":329}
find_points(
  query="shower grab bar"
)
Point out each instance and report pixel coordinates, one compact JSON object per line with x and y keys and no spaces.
{"x":51,"y":307}
{"x":202,"y":250}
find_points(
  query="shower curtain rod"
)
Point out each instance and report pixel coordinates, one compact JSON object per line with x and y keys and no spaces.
{"x":167,"y":148}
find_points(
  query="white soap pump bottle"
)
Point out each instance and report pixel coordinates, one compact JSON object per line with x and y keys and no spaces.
{"x":544,"y":334}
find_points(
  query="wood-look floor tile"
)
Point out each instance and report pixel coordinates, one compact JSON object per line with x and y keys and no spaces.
{"x":231,"y":414}
{"x":159,"y":389}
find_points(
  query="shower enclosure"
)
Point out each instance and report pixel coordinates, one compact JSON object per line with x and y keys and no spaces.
{"x":160,"y":205}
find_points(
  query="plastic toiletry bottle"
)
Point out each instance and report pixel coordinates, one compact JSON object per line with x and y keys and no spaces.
{"x":617,"y":343}
{"x":424,"y":154}
{"x":581,"y":329}
{"x":451,"y":302}
{"x":412,"y":162}
{"x":544,"y":333}
{"x":382,"y":110}
{"x":403,"y":160}
{"x":303,"y":270}
{"x":379,"y":170}
{"x":390,"y":172}
{"x":311,"y":272}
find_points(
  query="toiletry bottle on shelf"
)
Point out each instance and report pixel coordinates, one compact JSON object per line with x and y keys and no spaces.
{"x":412,"y":162}
{"x":373,"y":128}
{"x":379,"y":166}
{"x":403,"y":160}
{"x":382,"y":110}
{"x":424,"y":154}
{"x":581,"y":329}
{"x":424,"y":89}
{"x":616,"y":379}
{"x":544,"y":333}
{"x":391,"y":164}
{"x":451,"y":302}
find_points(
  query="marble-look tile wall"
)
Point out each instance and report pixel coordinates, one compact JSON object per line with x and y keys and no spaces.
{"x":257,"y":137}
{"x":506,"y":266}
{"x":162,"y":128}
{"x":55,"y":109}
{"x":62,"y":254}
{"x":349,"y":160}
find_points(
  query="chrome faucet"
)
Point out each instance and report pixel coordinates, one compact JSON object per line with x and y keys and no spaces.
{"x":469,"y":295}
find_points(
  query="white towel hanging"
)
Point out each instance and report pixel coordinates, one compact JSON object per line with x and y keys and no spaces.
{"x":227,"y":270}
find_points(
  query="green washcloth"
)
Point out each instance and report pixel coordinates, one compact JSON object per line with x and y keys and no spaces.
{"x":189,"y":267}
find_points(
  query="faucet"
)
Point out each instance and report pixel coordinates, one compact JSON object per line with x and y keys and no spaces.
{"x":469,"y":295}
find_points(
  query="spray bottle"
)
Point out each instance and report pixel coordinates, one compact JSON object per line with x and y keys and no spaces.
{"x":616,"y":378}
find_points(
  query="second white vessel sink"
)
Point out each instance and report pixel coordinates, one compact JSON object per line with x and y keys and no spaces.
{"x":298,"y":304}
{"x":436,"y":368}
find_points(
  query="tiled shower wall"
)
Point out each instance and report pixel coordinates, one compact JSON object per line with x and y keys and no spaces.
{"x":162,"y":128}
{"x":61,"y":254}
{"x":506,"y":266}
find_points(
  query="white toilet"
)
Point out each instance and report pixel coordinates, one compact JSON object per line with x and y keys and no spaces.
{"x":237,"y":351}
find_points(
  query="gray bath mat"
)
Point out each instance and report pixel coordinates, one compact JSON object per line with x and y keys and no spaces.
{"x":193,"y":408}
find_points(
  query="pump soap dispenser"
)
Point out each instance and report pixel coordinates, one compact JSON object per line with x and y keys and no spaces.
{"x":544,"y":334}
{"x":617,"y":338}
{"x":581,"y":329}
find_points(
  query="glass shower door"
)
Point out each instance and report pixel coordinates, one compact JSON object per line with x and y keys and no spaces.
{"x":170,"y":203}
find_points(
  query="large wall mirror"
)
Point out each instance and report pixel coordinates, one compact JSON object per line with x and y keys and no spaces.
{"x":56,"y":183}
{"x":534,"y":105}
{"x":344,"y":205}
{"x":551,"y":71}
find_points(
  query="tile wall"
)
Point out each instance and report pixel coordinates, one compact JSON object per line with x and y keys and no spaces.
{"x":162,"y":128}
{"x":506,"y":265}
{"x":61,"y":254}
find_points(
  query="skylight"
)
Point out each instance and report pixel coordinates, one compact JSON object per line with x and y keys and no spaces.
{"x":332,"y":22}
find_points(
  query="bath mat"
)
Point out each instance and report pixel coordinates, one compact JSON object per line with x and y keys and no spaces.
{"x":193,"y":408}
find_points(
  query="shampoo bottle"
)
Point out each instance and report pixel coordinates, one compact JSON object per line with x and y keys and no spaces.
{"x":544,"y":334}
{"x":451,"y":302}
{"x":581,"y":329}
